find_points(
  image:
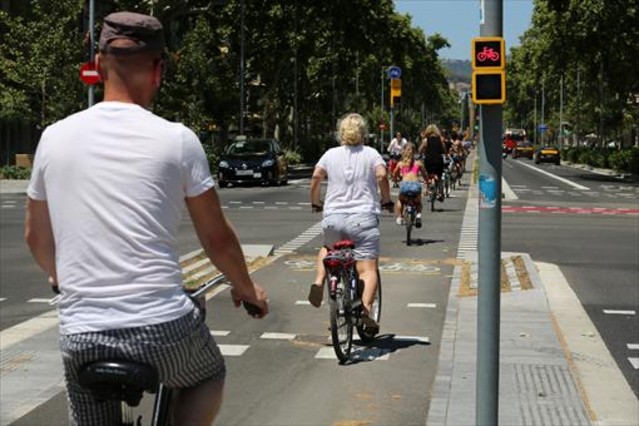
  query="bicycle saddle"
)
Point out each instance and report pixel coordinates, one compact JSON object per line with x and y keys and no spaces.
{"x":344,"y":244}
{"x":119,"y":380}
{"x":410,"y":194}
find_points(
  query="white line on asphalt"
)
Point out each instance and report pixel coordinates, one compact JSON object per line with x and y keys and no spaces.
{"x":235,"y":202}
{"x":418,"y":339}
{"x":281,"y":203}
{"x":278,"y":336}
{"x":509,"y":195}
{"x":633,"y":346}
{"x":421,"y":305}
{"x":246,"y":207}
{"x":634,"y":362}
{"x":549,"y":187}
{"x":220,"y":332}
{"x":233,"y":350}
{"x":39,"y":300}
{"x":2,"y":299}
{"x":259,"y":202}
{"x":559,"y":178}
{"x":303,"y":302}
{"x":519,"y":186}
{"x":619,"y":312}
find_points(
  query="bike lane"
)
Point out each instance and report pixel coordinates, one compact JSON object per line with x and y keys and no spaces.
{"x":283,"y":367}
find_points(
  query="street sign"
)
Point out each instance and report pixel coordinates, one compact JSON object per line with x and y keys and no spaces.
{"x":89,"y":73}
{"x":489,"y":87}
{"x":396,"y":91}
{"x":542,"y":127}
{"x":382,"y":126}
{"x":394,"y":72}
{"x":488,"y":53}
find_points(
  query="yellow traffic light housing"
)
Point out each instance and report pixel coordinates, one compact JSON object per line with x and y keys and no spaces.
{"x":489,"y":87}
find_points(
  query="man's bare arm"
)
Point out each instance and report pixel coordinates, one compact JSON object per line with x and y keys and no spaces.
{"x":38,"y":234}
{"x":382,"y":182}
{"x":220,"y":242}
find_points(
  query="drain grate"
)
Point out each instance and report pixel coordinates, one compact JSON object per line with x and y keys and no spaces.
{"x":548,"y":396}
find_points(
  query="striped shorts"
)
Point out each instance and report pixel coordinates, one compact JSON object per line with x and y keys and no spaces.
{"x":183,"y":352}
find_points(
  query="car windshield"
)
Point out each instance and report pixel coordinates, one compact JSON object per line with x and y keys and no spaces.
{"x":250,"y":147}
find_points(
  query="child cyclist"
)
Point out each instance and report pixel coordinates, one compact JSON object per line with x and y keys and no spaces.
{"x":410,"y":187}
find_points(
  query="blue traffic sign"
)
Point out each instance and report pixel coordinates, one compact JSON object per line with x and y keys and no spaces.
{"x":394,"y":72}
{"x":542,"y":127}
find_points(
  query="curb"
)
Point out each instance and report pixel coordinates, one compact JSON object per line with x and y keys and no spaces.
{"x":605,"y":392}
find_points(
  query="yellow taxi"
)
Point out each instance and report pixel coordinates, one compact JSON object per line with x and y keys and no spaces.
{"x":547,"y":154}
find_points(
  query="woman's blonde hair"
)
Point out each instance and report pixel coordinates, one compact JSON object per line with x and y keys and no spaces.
{"x":431,"y":130}
{"x":408,"y":155}
{"x":352,"y":129}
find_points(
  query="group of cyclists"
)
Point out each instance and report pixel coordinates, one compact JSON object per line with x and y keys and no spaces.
{"x":414,"y":168}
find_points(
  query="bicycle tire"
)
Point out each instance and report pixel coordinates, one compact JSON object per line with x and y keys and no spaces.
{"x":447,"y":185}
{"x":433,"y":196}
{"x":376,"y":313}
{"x":341,"y":321}
{"x":409,"y":220}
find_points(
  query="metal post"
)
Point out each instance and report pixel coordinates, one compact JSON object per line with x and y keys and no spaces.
{"x":543,"y":108}
{"x":382,"y":109}
{"x":91,"y":99}
{"x":488,"y":308}
{"x":561,"y":111}
{"x":535,"y":120}
{"x":242,"y":68}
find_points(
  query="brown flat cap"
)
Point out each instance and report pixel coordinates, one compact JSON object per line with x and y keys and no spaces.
{"x":146,"y":31}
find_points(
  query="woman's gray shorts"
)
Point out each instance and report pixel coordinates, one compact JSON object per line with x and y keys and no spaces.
{"x":361,"y":228}
{"x":183,"y":352}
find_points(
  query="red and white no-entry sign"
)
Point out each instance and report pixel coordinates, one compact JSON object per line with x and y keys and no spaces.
{"x":89,"y":74}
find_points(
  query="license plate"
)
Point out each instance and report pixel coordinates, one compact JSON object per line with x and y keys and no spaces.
{"x":244,"y":172}
{"x":549,"y":152}
{"x":257,"y":175}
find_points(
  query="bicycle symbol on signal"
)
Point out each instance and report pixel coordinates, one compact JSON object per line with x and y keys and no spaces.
{"x":488,"y":53}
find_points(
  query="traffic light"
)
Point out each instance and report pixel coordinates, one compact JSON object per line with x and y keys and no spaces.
{"x":396,"y":92}
{"x":396,"y":101}
{"x":489,"y":77}
{"x":489,"y":87}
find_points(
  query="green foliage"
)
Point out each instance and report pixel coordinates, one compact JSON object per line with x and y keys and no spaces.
{"x":306,"y":64}
{"x":293,"y":156}
{"x":623,"y":160}
{"x":15,"y":172}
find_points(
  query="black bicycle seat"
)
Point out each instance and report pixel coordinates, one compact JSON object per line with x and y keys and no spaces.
{"x":119,"y":380}
{"x":410,"y":194}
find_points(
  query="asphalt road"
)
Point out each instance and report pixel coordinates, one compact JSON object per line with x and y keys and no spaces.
{"x":593,"y":235}
{"x":282,"y":370}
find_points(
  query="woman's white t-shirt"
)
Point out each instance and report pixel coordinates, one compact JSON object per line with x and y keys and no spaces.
{"x":352,"y":183}
{"x":115,"y":177}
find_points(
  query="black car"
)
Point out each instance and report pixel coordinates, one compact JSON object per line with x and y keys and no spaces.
{"x":547,"y":154}
{"x":253,"y":161}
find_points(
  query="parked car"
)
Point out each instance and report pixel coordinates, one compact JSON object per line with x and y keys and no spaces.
{"x":524,"y":149}
{"x":547,"y":154}
{"x":253,"y":161}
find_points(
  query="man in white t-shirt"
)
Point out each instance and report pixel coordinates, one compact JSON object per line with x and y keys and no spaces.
{"x":104,"y":205}
{"x":352,"y":205}
{"x":397,"y":145}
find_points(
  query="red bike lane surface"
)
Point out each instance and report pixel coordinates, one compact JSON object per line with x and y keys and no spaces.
{"x":570,"y":210}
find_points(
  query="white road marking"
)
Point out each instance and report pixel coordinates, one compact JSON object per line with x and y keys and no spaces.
{"x":39,"y":300}
{"x":325,"y":353}
{"x":259,"y":202}
{"x":278,"y":336}
{"x":233,"y":350}
{"x":619,"y":312}
{"x":235,"y":202}
{"x":418,"y":339}
{"x":421,"y":305}
{"x":281,"y":203}
{"x":2,"y":299}
{"x":634,"y":362}
{"x":509,"y":195}
{"x":303,"y":302}
{"x":220,"y":332}
{"x":559,"y":178}
{"x":246,"y":207}
{"x":633,"y":346}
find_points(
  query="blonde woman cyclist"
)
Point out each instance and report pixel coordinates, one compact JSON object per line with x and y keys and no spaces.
{"x":409,"y":170}
{"x":432,"y":152}
{"x":352,"y":205}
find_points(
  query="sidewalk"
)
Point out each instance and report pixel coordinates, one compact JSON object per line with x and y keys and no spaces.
{"x":554,"y":367}
{"x":11,"y":186}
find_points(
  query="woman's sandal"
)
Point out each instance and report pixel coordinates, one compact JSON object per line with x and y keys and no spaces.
{"x":316,"y":295}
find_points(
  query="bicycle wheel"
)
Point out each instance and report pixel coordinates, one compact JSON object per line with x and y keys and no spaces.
{"x":447,"y":185}
{"x":409,"y":220}
{"x":376,"y":313}
{"x":341,"y":322}
{"x":433,"y":196}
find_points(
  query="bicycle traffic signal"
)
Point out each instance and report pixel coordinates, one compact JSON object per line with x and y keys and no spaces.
{"x":489,"y":77}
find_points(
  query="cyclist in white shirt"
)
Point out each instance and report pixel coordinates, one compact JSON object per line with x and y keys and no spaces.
{"x":105,"y":199}
{"x":397,"y":145}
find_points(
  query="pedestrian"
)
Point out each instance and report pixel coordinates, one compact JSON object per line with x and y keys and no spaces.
{"x":103,"y":211}
{"x":352,"y":205}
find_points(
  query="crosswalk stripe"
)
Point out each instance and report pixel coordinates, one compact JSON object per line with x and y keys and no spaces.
{"x":233,"y":350}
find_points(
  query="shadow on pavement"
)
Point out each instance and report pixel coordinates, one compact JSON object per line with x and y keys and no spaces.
{"x":384,"y":344}
{"x":423,"y":242}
